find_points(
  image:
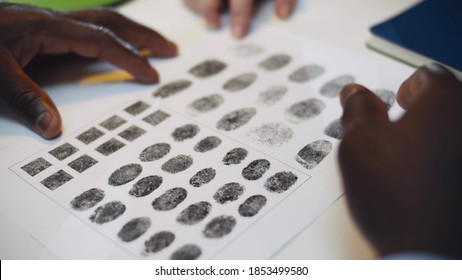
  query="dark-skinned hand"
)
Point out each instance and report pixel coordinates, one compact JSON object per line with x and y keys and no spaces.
{"x":403,"y":179}
{"x":27,"y":31}
{"x":241,"y":12}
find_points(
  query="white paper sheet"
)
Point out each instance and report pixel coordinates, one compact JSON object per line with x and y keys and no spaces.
{"x":280,"y":124}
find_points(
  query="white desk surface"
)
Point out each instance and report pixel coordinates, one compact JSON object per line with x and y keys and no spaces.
{"x":343,"y":23}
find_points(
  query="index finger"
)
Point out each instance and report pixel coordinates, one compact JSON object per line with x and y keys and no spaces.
{"x":241,"y":14}
{"x":284,"y":8}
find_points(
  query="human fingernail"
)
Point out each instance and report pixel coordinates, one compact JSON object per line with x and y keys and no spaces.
{"x":238,"y":30}
{"x":284,"y":11}
{"x":348,"y":91}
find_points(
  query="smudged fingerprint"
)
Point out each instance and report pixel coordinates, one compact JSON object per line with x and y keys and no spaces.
{"x":134,"y":229}
{"x":87,"y":199}
{"x":306,"y":73}
{"x":187,"y":252}
{"x":202,"y":177}
{"x":172,"y":88}
{"x":206,"y":103}
{"x":207,"y":144}
{"x":108,"y":212}
{"x":159,"y":241}
{"x":271,"y":134}
{"x":256,"y":169}
{"x":82,"y":163}
{"x":280,"y":182}
{"x":304,"y":110}
{"x":154,"y":152}
{"x":387,"y":96}
{"x":247,"y":50}
{"x":252,"y":206}
{"x":36,"y":166}
{"x":334,"y":129}
{"x":333,"y":87}
{"x":56,"y":180}
{"x":235,"y":156}
{"x":275,"y":62}
{"x":125,"y":174}
{"x":272,"y":95}
{"x":236,"y":119}
{"x":207,"y":68}
{"x":184,"y":132}
{"x":177,"y":164}
{"x":113,"y":122}
{"x":63,"y":151}
{"x":229,"y":192}
{"x":145,"y":186}
{"x":194,"y":213}
{"x":132,"y":133}
{"x":219,"y":227}
{"x":312,"y":154}
{"x":170,"y":199}
{"x":240,"y":82}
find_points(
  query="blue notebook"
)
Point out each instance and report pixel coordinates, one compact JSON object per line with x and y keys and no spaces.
{"x":428,"y":31}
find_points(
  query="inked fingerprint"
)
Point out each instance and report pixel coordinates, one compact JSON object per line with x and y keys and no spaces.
{"x":145,"y":186}
{"x":156,"y":118}
{"x":236,"y":119}
{"x":159,"y":241}
{"x":82,"y":163}
{"x":132,"y":133}
{"x":134,"y":229}
{"x":206,"y":103}
{"x":304,"y":110}
{"x":207,"y":68}
{"x":113,"y":122}
{"x":202,"y":177}
{"x":240,"y":82}
{"x":219,"y":226}
{"x":177,"y":164}
{"x":275,"y":62}
{"x":36,"y":166}
{"x":137,"y":108}
{"x":63,"y":151}
{"x":108,"y":212}
{"x":313,"y":153}
{"x":252,"y":206}
{"x":170,"y":199}
{"x":333,"y":87}
{"x":334,"y":129}
{"x":194,"y":213}
{"x":56,"y":180}
{"x":271,"y":134}
{"x":306,"y":73}
{"x":272,"y":95}
{"x":280,"y":182}
{"x":87,"y":199}
{"x":247,"y":50}
{"x":172,"y":88}
{"x":229,"y":192}
{"x":90,"y":135}
{"x":187,"y":252}
{"x":235,"y":156}
{"x":256,"y":169}
{"x":207,"y":144}
{"x":387,"y":96}
{"x":155,"y":152}
{"x":109,"y":147}
{"x":125,"y":174}
{"x":184,"y":132}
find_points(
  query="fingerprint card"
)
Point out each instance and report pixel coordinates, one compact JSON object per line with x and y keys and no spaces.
{"x":229,"y":158}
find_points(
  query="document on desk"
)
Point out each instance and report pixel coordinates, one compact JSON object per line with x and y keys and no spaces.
{"x":231,"y":157}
